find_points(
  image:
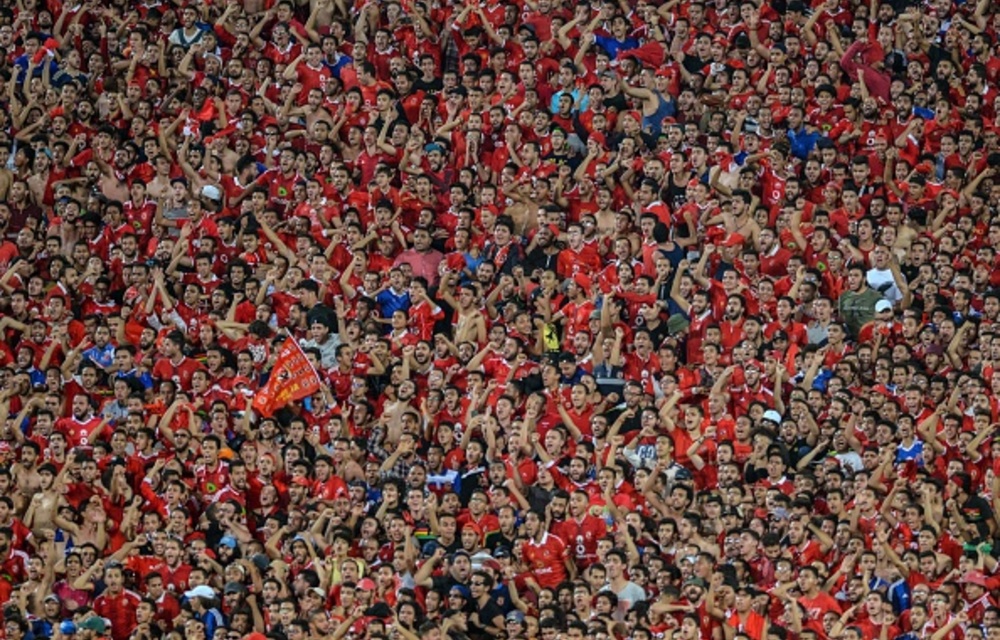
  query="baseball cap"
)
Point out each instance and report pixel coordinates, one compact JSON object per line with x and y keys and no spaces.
{"x":883,"y":305}
{"x":515,"y":616}
{"x":429,"y":547}
{"x":698,"y":582}
{"x":677,"y":323}
{"x":234,"y":587}
{"x":211,"y":192}
{"x":318,"y":592}
{"x":260,"y":561}
{"x":95,"y":624}
{"x":201,"y":591}
{"x":975,"y":577}
{"x":462,"y":590}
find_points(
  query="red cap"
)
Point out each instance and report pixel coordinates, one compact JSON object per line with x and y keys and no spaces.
{"x":975,"y":577}
{"x":715,"y":235}
{"x":734,"y":240}
{"x":582,"y":281}
{"x":599,"y":138}
{"x":455,"y":262}
{"x":301,"y":481}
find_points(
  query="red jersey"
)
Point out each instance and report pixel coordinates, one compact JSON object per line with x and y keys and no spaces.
{"x":210,"y":481}
{"x":180,"y":373}
{"x":546,"y":560}
{"x":582,"y":536}
{"x":120,"y":610}
{"x":77,"y":432}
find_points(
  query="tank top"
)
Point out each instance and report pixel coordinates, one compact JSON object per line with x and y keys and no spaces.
{"x":664,"y":109}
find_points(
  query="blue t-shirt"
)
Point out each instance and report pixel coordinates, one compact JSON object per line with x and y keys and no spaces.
{"x":613,"y":46}
{"x":390,"y":302}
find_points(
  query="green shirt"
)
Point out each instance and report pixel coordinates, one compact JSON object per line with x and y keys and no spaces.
{"x":857,"y":309}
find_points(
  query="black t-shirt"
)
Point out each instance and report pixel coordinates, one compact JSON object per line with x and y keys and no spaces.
{"x":487,"y":613}
{"x":443,"y":584}
{"x":455,"y":545}
{"x":694,"y":64}
{"x":617,"y":103}
{"x":431,"y":86}
{"x":659,"y":334}
{"x":496,"y":539}
{"x":472,"y":479}
{"x":538,"y":497}
{"x":977,"y":511}
{"x":674,"y":193}
{"x":540,"y":259}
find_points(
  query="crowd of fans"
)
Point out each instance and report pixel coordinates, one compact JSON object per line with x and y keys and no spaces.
{"x":648,"y":320}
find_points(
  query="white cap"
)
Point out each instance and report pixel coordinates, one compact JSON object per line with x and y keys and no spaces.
{"x":773,"y":416}
{"x":201,"y":591}
{"x":883,"y":305}
{"x":211,"y":192}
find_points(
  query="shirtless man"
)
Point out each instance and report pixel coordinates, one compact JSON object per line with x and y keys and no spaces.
{"x":38,"y":181}
{"x":41,"y":513}
{"x":343,"y":465}
{"x":468,"y":319}
{"x":160,"y":187}
{"x":41,"y":574}
{"x":6,"y":177}
{"x":25,"y":472}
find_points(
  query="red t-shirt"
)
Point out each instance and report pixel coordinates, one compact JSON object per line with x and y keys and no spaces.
{"x":546,"y":560}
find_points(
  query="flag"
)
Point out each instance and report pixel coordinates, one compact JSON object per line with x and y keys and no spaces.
{"x":292,"y":378}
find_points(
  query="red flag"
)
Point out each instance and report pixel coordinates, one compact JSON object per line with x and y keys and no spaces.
{"x":292,"y":378}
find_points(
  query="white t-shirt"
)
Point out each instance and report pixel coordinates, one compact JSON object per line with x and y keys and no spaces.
{"x":882,"y":280}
